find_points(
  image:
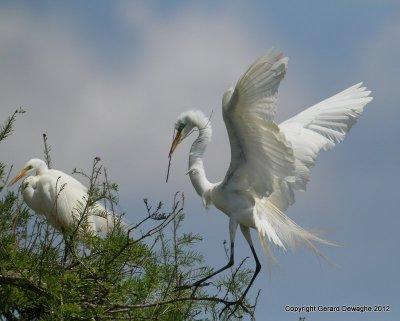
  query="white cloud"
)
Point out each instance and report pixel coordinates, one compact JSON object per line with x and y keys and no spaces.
{"x":185,"y":60}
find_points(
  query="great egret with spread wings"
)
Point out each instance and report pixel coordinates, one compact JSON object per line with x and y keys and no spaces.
{"x":269,"y":162}
{"x":61,"y":198}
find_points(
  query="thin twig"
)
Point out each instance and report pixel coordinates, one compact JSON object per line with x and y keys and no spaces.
{"x":47,"y":149}
{"x":169,"y":159}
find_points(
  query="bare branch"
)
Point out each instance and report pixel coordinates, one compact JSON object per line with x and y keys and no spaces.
{"x":46,"y":151}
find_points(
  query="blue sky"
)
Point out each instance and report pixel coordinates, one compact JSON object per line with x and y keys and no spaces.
{"x":109,"y":78}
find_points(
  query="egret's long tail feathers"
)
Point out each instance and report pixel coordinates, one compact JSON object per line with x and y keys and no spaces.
{"x":105,"y":221}
{"x":276,"y":227}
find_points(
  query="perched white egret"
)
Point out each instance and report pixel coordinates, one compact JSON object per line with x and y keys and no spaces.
{"x":61,"y":198}
{"x":269,"y":162}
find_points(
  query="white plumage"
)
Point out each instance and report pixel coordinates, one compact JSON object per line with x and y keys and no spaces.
{"x":259,"y":151}
{"x":269,"y":162}
{"x":318,"y":127}
{"x":61,"y":199}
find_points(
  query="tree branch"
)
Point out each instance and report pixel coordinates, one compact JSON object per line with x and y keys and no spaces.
{"x":24,"y":284}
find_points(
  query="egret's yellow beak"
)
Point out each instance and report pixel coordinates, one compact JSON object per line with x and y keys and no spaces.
{"x":20,"y":175}
{"x":175,"y":143}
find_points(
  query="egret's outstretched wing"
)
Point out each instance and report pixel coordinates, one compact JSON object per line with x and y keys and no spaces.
{"x":259,"y":151}
{"x":318,"y":127}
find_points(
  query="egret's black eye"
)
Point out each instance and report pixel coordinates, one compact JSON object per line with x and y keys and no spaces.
{"x":180,"y":127}
{"x":28,"y":168}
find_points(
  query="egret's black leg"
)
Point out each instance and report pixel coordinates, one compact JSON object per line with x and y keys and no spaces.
{"x":232,"y":232}
{"x":240,"y":301}
{"x":227,"y":266}
{"x":65,"y":256}
{"x":66,"y":246}
{"x":246,"y":233}
{"x":257,"y":270}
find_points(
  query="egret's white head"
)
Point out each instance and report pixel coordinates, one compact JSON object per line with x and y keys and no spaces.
{"x":184,"y":125}
{"x":33,"y":167}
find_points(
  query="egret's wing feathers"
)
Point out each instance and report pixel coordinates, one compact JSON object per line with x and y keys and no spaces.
{"x":68,"y":179}
{"x":72,"y":199}
{"x":63,"y":198}
{"x":257,"y":89}
{"x":259,"y":151}
{"x":318,"y":127}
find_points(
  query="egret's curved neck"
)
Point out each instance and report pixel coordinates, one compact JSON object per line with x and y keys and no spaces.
{"x":196,"y":168}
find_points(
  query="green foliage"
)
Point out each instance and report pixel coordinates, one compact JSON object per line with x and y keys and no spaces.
{"x":7,"y":127}
{"x":133,"y":273}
